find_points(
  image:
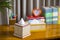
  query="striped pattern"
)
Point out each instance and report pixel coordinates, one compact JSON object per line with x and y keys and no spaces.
{"x":48,"y":15}
{"x":21,"y":31}
{"x":55,"y":15}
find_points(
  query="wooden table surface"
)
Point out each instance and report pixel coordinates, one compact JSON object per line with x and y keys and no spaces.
{"x":52,"y":31}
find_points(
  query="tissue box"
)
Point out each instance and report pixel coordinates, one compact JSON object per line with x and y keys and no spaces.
{"x":38,"y":27}
{"x":21,"y":31}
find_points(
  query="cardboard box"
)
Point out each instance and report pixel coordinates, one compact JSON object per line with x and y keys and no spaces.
{"x":38,"y":27}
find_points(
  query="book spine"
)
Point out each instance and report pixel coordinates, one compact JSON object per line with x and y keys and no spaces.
{"x":55,"y":15}
{"x":48,"y":16}
{"x":58,"y":15}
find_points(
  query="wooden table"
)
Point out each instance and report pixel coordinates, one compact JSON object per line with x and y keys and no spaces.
{"x":6,"y":33}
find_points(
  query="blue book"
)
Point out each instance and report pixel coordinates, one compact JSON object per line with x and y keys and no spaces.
{"x":55,"y":15}
{"x":48,"y":15}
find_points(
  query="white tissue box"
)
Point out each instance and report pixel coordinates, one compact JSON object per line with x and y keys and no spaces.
{"x":21,"y":31}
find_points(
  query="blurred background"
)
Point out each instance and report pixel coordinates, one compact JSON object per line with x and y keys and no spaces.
{"x":23,"y":8}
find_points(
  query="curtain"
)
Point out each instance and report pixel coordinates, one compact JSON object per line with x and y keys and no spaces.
{"x":26,"y":6}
